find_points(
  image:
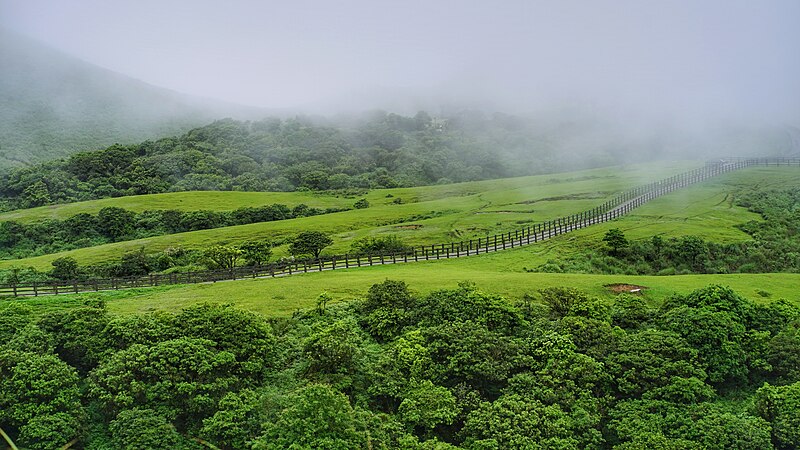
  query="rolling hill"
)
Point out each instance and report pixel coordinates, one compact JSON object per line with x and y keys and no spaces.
{"x":707,"y":210}
{"x":54,"y":105}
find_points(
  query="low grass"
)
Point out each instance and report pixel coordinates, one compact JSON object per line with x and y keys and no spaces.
{"x":281,"y":297}
{"x":706,"y":210}
{"x":182,"y":201}
{"x":424,"y":215}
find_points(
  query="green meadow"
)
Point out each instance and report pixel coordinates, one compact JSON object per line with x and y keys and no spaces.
{"x":419,"y":215}
{"x":707,"y":210}
{"x":182,"y":201}
{"x":491,"y":273}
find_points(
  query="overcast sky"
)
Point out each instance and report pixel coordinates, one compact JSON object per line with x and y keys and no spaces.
{"x":692,"y":57}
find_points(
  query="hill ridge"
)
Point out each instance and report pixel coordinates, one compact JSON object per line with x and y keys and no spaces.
{"x":610,"y":210}
{"x":55,"y":104}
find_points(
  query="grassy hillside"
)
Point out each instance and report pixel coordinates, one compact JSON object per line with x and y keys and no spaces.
{"x":182,"y":201}
{"x":423,"y":215}
{"x":491,"y":273}
{"x":706,"y":210}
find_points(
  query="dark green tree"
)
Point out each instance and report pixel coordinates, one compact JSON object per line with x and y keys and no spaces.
{"x":65,"y":268}
{"x":426,"y":405}
{"x":780,"y":406}
{"x":514,"y":421}
{"x":783,"y":355}
{"x":693,"y":251}
{"x":310,"y":243}
{"x":139,"y":428}
{"x":134,"y":264}
{"x":386,"y":309}
{"x":316,"y":417}
{"x":181,"y":379}
{"x":78,"y":334}
{"x":616,"y":241}
{"x":247,"y":335}
{"x":115,"y":223}
{"x":256,"y":253}
{"x":384,"y":245}
{"x":40,"y":400}
{"x":37,"y":194}
{"x":222,"y":256}
{"x":237,"y":421}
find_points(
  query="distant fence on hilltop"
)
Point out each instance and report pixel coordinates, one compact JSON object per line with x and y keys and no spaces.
{"x":610,"y":210}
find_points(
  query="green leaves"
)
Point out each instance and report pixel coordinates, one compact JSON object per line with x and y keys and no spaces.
{"x":780,"y":406}
{"x":144,"y":429}
{"x":517,"y":422}
{"x":382,"y":245}
{"x":179,"y":378}
{"x":425,"y":405}
{"x":453,"y":369}
{"x":256,"y":253}
{"x":315,"y":417}
{"x":222,"y":256}
{"x":40,"y":398}
{"x":310,"y":243}
{"x":616,"y":241}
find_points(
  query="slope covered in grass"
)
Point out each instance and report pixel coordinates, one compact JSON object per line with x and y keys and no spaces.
{"x":181,"y":201}
{"x":419,"y":215}
{"x":706,"y":210}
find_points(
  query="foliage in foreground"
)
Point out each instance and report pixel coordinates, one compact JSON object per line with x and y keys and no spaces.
{"x":774,"y":246}
{"x":454,"y":369}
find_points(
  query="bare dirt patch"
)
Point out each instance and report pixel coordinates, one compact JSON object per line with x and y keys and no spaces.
{"x":620,"y":288}
{"x":578,"y":196}
{"x":504,"y":211}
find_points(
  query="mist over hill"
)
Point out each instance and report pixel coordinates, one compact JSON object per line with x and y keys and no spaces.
{"x":376,"y":149}
{"x":54,"y":105}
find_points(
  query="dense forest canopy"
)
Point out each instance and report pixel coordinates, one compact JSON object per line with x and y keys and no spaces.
{"x":453,"y":369}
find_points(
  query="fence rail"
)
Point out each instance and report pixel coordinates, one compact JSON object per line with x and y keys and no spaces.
{"x":610,"y":210}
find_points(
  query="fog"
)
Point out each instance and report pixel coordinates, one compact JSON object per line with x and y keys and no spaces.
{"x":663,"y":65}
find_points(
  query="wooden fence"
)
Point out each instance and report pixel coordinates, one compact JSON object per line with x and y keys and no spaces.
{"x":609,"y":210}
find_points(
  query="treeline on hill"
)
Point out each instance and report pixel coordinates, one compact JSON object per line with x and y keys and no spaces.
{"x":774,"y":247}
{"x":114,"y":224}
{"x":379,"y":150}
{"x":306,"y":245}
{"x":453,"y":369}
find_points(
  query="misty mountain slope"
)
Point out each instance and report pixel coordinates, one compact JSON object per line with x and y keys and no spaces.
{"x":52,"y":105}
{"x":372,"y":150}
